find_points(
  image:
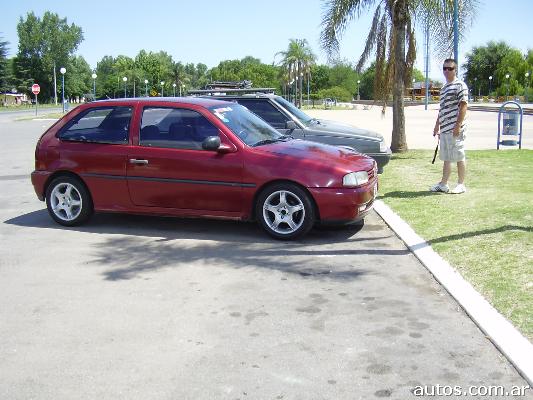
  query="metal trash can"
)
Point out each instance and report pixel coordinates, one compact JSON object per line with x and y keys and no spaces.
{"x":511,"y":121}
{"x":510,"y":131}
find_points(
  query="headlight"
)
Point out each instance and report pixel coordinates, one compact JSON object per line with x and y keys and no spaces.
{"x":355,"y":178}
{"x":383,"y":147}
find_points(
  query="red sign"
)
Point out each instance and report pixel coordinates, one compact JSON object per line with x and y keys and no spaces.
{"x":35,"y":89}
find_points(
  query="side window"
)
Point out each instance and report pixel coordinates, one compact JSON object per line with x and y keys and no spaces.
{"x":177,"y":128}
{"x":266,"y":111}
{"x":99,"y":125}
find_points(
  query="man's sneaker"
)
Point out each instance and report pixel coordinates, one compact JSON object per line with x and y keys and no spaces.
{"x":439,"y":187}
{"x":460,"y":188}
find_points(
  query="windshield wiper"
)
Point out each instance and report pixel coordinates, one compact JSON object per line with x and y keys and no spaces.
{"x":265,"y":141}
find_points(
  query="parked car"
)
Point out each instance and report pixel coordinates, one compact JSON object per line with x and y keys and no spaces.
{"x":330,"y":102}
{"x":290,"y":120}
{"x":196,"y":157}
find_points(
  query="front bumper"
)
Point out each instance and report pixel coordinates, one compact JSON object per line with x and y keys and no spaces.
{"x":382,"y":159}
{"x":344,"y":205}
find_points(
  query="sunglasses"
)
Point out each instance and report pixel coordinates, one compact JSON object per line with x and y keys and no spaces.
{"x":448,"y":68}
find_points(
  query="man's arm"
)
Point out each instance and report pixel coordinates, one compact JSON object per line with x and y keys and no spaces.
{"x":460,"y":118}
{"x":437,"y":127}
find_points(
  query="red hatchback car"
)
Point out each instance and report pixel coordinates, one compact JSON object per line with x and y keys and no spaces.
{"x":194,"y":157}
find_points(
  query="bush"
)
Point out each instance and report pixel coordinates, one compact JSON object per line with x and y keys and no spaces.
{"x":336,"y":92}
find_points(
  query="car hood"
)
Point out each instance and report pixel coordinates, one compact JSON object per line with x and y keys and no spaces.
{"x":323,"y":154}
{"x":340,"y":129}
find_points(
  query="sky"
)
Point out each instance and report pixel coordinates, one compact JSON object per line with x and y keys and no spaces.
{"x":212,"y":31}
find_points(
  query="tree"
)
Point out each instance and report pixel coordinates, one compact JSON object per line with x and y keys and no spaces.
{"x":391,"y":31}
{"x":79,"y":81}
{"x":297,"y":60}
{"x":343,"y":74}
{"x":44,"y":45}
{"x":515,"y":65}
{"x":249,"y":68}
{"x":320,"y":78}
{"x":3,"y":66}
{"x":336,"y":92}
{"x":483,"y":62}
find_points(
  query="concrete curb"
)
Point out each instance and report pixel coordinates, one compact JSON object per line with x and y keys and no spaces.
{"x":517,"y":349}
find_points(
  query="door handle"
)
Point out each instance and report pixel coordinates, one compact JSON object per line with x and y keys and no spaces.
{"x":138,"y":162}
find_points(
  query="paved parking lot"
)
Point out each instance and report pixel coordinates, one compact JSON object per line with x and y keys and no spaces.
{"x":131,"y":307}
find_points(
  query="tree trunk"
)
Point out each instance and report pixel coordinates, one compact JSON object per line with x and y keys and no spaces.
{"x":398,"y":141}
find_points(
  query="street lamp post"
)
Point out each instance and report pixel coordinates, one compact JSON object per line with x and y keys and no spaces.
{"x":301,"y":87}
{"x":507,"y":78}
{"x":125,"y":79}
{"x":63,"y":71}
{"x":475,"y":84}
{"x":94,"y":76}
{"x":146,"y":87}
{"x":162,"y":87}
{"x":174,"y":87}
{"x":413,"y":90}
{"x":490,"y":85}
{"x":308,"y":83}
{"x":358,"y":95}
{"x":527,"y":85}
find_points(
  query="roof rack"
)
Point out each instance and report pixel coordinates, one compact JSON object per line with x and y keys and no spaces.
{"x":219,"y":91}
{"x":245,"y":84}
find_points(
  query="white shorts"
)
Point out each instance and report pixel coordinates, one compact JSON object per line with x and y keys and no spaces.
{"x":451,"y":148}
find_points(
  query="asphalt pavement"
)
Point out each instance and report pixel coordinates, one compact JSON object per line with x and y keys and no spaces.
{"x":135,"y":307}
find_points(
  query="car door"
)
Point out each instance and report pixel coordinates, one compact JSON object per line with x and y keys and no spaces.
{"x":170,"y":169}
{"x":272,"y":115}
{"x":95,"y":145}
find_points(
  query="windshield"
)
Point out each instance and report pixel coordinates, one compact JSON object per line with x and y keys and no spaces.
{"x":251,"y":129}
{"x":303,"y":117}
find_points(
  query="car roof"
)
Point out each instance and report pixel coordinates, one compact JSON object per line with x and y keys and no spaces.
{"x":200,"y":101}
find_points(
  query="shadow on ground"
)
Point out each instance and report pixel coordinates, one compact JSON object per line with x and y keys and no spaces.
{"x":407,"y":195}
{"x":138,"y":244}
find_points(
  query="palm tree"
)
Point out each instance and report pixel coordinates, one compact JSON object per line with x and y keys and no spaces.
{"x":296,"y":60}
{"x":391,"y":31}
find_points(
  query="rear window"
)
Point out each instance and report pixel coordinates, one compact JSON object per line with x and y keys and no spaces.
{"x":99,"y":125}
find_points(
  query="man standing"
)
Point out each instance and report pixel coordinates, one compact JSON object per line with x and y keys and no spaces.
{"x":452,"y":127}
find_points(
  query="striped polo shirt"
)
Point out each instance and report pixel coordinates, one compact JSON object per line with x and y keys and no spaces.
{"x":451,"y":95}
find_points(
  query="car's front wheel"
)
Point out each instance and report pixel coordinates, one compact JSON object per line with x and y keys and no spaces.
{"x":68,"y":201}
{"x":285,"y":211}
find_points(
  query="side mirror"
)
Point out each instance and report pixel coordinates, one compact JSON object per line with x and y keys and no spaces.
{"x":291,"y":125}
{"x":211,"y":143}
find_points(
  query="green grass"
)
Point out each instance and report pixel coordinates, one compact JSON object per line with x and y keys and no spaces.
{"x":486,"y":233}
{"x":41,"y":116}
{"x":27,"y":107}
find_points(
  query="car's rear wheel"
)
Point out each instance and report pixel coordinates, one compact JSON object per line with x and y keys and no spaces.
{"x":68,"y":201}
{"x":285,"y":211}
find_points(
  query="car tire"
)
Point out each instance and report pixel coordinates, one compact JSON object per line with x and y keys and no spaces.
{"x":285,"y":211}
{"x":68,"y":201}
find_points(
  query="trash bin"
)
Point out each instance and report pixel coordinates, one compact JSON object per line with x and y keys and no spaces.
{"x":511,"y":122}
{"x":510,"y":126}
